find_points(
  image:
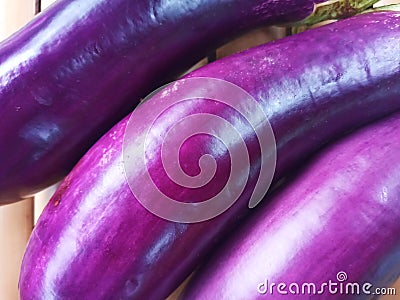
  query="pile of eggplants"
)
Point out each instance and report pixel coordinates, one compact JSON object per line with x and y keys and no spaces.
{"x":95,"y":240}
{"x":331,"y":233}
{"x":82,"y":65}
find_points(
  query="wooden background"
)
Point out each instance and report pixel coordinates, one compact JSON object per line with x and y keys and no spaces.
{"x":17,"y":220}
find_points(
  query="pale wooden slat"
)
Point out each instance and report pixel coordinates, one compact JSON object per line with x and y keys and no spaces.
{"x":16,"y":220}
{"x":46,"y":3}
{"x":14,"y":14}
{"x":386,"y":2}
{"x":252,"y":39}
{"x":41,"y":200}
{"x":16,"y":224}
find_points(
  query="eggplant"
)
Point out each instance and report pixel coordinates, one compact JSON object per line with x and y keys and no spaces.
{"x":333,"y":232}
{"x":95,"y":240}
{"x":82,"y":65}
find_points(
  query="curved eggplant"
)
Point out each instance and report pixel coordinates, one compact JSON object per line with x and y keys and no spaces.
{"x":333,"y":232}
{"x":96,"y":241}
{"x":82,"y":65}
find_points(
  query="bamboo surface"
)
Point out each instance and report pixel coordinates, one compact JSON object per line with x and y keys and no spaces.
{"x":16,"y":220}
{"x":45,"y":3}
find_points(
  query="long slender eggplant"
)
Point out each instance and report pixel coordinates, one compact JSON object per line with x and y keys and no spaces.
{"x":331,"y":233}
{"x":82,"y":65}
{"x":96,"y":241}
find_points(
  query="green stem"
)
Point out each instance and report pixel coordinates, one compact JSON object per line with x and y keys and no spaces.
{"x":335,"y":9}
{"x":323,"y":12}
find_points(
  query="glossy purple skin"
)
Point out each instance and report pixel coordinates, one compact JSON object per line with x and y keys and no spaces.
{"x":94,"y":238}
{"x":82,"y":65}
{"x":340,"y":214}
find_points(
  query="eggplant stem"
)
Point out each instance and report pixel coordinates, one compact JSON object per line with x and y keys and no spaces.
{"x":309,"y":21}
{"x":335,"y":9}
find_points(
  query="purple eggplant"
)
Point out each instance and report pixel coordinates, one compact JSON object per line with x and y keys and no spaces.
{"x":82,"y":65}
{"x":331,"y":233}
{"x":94,"y":239}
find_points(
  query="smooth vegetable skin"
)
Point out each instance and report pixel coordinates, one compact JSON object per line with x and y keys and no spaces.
{"x":340,"y":217}
{"x":96,"y":241}
{"x":82,"y":65}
